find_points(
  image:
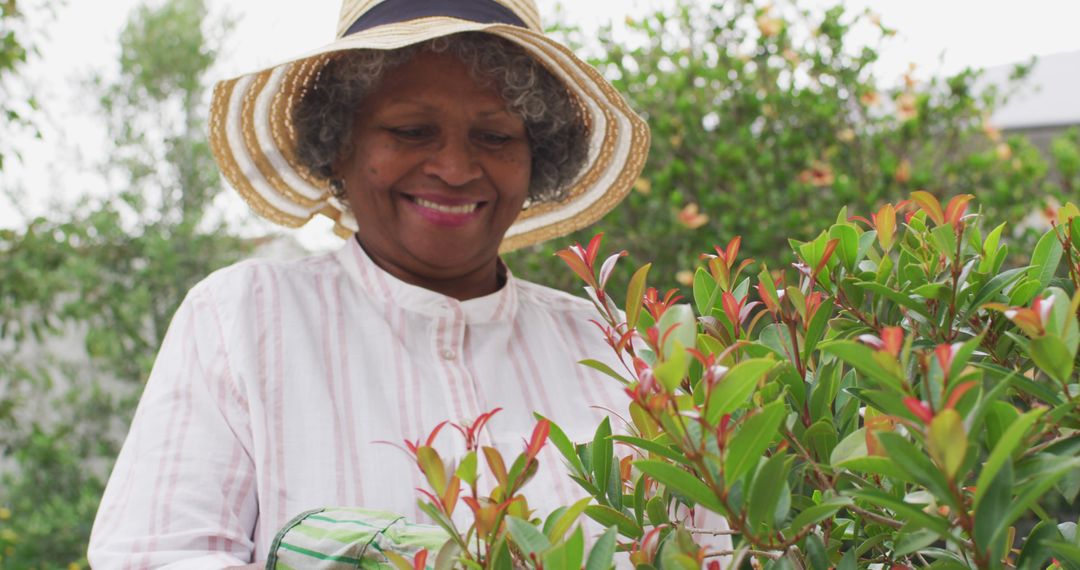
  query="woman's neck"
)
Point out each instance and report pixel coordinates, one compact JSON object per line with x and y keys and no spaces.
{"x":462,"y":285}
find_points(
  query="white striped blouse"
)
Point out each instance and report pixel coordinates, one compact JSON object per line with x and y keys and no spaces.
{"x":277,"y":379}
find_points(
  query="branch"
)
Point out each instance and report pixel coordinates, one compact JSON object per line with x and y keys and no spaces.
{"x":769,"y":555}
{"x":875,"y":517}
{"x":710,"y":531}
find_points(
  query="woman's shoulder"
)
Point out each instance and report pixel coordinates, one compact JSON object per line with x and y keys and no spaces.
{"x":552,"y":299}
{"x":237,"y":282}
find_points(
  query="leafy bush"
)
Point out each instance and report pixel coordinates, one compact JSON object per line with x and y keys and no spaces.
{"x":901,"y":400}
{"x":767,"y":120}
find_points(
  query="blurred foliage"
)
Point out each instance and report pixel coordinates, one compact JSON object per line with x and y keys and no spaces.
{"x":87,"y":294}
{"x":767,"y":119}
{"x":17,"y":45}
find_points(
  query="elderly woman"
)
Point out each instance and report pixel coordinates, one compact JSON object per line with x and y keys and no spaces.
{"x":436,"y":135}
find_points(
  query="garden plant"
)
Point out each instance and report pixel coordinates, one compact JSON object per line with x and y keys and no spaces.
{"x":767,"y":118}
{"x":899,"y":399}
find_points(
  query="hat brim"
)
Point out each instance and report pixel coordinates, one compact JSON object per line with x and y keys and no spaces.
{"x":253,"y":140}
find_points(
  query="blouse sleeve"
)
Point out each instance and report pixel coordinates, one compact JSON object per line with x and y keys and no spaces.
{"x":181,"y":494}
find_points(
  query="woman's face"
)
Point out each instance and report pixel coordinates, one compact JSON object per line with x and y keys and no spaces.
{"x":438,"y":171}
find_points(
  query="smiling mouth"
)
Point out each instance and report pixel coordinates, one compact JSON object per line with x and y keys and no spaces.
{"x":448,"y":209}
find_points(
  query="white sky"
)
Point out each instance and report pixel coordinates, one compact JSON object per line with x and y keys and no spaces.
{"x":938,"y":35}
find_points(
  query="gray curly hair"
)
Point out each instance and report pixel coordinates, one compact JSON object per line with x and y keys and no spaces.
{"x":556,"y":131}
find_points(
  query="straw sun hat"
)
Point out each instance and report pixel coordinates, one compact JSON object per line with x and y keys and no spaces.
{"x":253,"y":139}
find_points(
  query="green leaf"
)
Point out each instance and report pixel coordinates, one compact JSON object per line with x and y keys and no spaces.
{"x":657,"y":511}
{"x":681,"y":482}
{"x":447,"y":555}
{"x":1024,"y":291}
{"x":526,"y":536}
{"x":567,"y":519}
{"x":602,"y":453}
{"x":615,"y":487}
{"x":944,"y":237}
{"x":1003,"y":451}
{"x":1044,"y":260}
{"x":677,"y":326}
{"x":764,"y":495}
{"x":911,"y":541}
{"x":639,"y":499}
{"x":816,"y":554}
{"x":766,"y":281}
{"x":705,"y":291}
{"x":752,"y":439}
{"x":466,"y":470}
{"x":812,"y":251}
{"x":821,"y":437}
{"x":501,"y":558}
{"x":825,"y":389}
{"x":861,"y":357}
{"x":936,"y":291}
{"x":442,"y":521}
{"x":991,"y":512}
{"x":566,"y":447}
{"x":1035,"y":555}
{"x":917,"y":465}
{"x":432,"y":466}
{"x":947,"y":441}
{"x":602,"y":555}
{"x":817,"y":513}
{"x":672,"y":370}
{"x":851,"y":447}
{"x":990,"y":290}
{"x":568,"y":555}
{"x":989,"y":250}
{"x":635,"y":294}
{"x":898,"y":297}
{"x":816,"y":329}
{"x":604,"y":368}
{"x":777,"y":338}
{"x":1036,"y":488}
{"x":735,"y":388}
{"x":1069,"y":553}
{"x":654,"y":447}
{"x":847,"y":561}
{"x":608,"y":517}
{"x":847,"y":246}
{"x":1052,"y":356}
{"x":962,"y":357}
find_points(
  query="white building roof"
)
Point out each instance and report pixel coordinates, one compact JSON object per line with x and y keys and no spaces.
{"x":1050,"y":96}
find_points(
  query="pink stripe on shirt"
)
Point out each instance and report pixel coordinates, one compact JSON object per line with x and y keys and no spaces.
{"x":328,"y":342}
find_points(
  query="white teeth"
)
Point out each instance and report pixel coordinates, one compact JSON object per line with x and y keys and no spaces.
{"x":462,"y":209}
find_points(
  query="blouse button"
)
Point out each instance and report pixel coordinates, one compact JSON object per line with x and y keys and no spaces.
{"x":449,"y":354}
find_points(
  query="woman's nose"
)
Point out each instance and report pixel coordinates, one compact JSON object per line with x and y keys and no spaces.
{"x":454,"y":162}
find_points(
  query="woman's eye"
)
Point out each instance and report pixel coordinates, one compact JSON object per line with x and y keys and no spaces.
{"x":492,"y":138}
{"x":410,"y":133}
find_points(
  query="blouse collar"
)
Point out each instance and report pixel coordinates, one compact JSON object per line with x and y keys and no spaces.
{"x":376,"y":283}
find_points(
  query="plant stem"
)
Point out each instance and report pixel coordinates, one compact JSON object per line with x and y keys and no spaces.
{"x":766,"y":554}
{"x":710,"y":531}
{"x":875,"y":517}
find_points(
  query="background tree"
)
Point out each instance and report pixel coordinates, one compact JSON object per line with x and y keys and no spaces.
{"x":86,"y":295}
{"x":767,"y":119}
{"x":16,"y":46}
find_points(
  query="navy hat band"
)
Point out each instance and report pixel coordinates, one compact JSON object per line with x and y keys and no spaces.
{"x":394,"y":11}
